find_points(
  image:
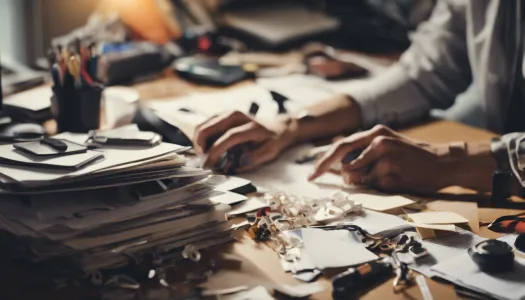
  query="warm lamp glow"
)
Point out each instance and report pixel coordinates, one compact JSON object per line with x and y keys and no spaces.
{"x":149,"y":19}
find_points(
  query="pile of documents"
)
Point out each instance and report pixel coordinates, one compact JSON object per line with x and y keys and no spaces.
{"x":133,"y":206}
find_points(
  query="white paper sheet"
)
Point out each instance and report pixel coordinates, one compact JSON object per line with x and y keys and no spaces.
{"x":113,"y":157}
{"x":302,"y":261}
{"x":463,"y":271}
{"x":286,"y":176}
{"x":300,"y":290}
{"x":376,"y":222}
{"x":335,"y":248}
{"x":381,"y":202}
{"x":251,"y":204}
{"x":257,"y":293}
{"x":35,"y":99}
{"x":441,"y":249}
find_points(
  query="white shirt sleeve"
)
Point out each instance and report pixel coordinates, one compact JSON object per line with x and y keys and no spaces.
{"x":430,"y":74}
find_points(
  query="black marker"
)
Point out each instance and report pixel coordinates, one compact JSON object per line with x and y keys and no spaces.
{"x":231,"y":160}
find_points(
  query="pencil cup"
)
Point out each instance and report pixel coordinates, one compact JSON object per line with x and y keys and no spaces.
{"x":76,"y":110}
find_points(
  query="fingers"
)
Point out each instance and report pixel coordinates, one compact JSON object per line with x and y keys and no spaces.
{"x":352,"y":177}
{"x":249,"y":132}
{"x":380,"y":146}
{"x":255,"y":158}
{"x":351,"y":143}
{"x":217,"y":125}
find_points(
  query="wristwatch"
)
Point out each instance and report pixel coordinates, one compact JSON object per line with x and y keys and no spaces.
{"x":502,"y":176}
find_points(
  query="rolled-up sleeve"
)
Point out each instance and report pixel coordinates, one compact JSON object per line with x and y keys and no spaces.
{"x":430,"y":74}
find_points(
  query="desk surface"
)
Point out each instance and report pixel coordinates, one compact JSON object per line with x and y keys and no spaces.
{"x":247,"y":263}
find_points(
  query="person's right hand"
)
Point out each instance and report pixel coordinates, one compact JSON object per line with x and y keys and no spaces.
{"x":237,"y":128}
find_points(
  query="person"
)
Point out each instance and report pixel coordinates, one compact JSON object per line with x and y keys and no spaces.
{"x":462,"y":42}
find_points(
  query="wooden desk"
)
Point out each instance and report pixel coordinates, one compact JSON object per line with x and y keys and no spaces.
{"x":246,"y":262}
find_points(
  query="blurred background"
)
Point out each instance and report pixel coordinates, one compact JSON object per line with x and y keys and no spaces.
{"x":244,"y":39}
{"x":27,"y":27}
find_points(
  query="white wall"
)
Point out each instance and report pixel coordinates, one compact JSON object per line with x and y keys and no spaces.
{"x":12,"y":29}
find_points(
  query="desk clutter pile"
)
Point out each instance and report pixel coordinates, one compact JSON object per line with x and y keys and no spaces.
{"x":112,"y":207}
{"x":87,"y":213}
{"x":312,"y":235}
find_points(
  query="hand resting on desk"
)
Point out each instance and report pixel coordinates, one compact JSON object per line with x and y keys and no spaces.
{"x":235,"y":128}
{"x":393,"y":162}
{"x":328,"y":118}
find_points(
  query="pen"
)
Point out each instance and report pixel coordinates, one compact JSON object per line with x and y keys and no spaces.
{"x":93,"y":66}
{"x":57,"y":75}
{"x":52,"y":57}
{"x":233,"y":158}
{"x":74,"y":69}
{"x":86,"y":77}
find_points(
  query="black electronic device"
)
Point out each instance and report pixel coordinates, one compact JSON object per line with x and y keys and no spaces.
{"x":492,"y":256}
{"x":209,"y":71}
{"x":147,"y":120}
{"x":347,"y":283}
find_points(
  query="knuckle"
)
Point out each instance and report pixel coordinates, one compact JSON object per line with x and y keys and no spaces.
{"x":381,"y":142}
{"x":381,"y":129}
{"x":202,"y":132}
{"x":236,"y":114}
{"x":343,"y":144}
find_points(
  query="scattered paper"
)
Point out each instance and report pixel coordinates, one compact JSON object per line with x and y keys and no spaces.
{"x":299,"y":291}
{"x":427,"y":231}
{"x":380,"y":202}
{"x":440,"y":249}
{"x":377,"y":223}
{"x":34,"y":99}
{"x":308,"y":276}
{"x":437,"y":217}
{"x":469,"y":210}
{"x":257,"y":293}
{"x":232,"y":183}
{"x":301,"y":261}
{"x":297,"y":259}
{"x":228,"y":198}
{"x":284,"y":175}
{"x":423,"y":287}
{"x":335,"y":248}
{"x":252,"y":204}
{"x":221,"y":292}
{"x":444,"y":227}
{"x":462,"y":270}
{"x":120,"y":105}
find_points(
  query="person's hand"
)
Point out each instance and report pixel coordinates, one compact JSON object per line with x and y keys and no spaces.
{"x":389,"y":162}
{"x":235,"y":128}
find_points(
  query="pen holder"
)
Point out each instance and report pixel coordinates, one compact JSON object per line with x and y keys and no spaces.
{"x":76,"y":110}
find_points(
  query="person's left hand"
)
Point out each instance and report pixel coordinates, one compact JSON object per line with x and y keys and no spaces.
{"x":389,"y":162}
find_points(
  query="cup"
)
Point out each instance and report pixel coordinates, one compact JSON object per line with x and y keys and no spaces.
{"x":76,"y":110}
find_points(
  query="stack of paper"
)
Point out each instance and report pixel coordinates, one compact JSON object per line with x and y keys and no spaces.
{"x":136,"y":203}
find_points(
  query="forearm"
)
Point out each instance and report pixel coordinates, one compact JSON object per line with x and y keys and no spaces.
{"x":335,"y":116}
